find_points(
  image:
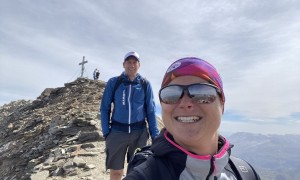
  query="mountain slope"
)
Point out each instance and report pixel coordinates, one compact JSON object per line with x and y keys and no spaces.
{"x":57,"y":135}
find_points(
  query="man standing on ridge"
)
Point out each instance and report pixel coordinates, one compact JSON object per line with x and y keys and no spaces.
{"x":125,"y":129}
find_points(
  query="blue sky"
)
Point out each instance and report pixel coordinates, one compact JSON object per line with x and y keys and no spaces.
{"x":255,"y":45}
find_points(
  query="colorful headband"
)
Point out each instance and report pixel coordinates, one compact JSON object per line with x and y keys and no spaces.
{"x":192,"y":66}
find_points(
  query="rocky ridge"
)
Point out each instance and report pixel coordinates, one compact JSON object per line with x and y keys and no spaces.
{"x":57,"y":136}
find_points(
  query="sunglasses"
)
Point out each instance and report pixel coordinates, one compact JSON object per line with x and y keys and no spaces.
{"x":202,"y":93}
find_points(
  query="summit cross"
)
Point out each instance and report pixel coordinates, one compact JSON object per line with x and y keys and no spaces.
{"x":82,"y":65}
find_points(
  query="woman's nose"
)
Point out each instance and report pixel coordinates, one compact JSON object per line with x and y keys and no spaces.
{"x":186,"y":101}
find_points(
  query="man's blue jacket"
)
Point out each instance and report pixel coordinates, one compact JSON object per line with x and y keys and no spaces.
{"x":129,"y":111}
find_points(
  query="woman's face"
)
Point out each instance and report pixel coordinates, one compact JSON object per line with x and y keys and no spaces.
{"x":192,"y":123}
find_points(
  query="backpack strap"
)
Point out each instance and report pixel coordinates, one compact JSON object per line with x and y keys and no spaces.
{"x":118,"y":83}
{"x":144,"y":84}
{"x":148,"y":166}
{"x":140,"y":156}
{"x":243,"y":169}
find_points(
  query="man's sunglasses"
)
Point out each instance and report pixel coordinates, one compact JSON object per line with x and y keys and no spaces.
{"x":202,"y":93}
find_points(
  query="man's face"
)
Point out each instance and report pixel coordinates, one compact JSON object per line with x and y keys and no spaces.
{"x":131,"y":66}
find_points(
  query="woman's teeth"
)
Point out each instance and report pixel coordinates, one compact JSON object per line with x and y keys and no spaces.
{"x":188,"y":119}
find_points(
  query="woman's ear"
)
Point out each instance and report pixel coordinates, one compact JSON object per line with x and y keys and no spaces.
{"x":221,"y":104}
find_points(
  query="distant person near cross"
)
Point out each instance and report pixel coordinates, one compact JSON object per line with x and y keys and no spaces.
{"x":96,"y":74}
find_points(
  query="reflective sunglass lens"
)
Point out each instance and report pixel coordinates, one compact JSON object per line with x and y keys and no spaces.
{"x":202,"y":93}
{"x":204,"y":99}
{"x":170,"y":99}
{"x":171,"y":94}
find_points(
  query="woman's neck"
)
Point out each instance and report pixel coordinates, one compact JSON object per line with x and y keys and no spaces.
{"x":206,"y":146}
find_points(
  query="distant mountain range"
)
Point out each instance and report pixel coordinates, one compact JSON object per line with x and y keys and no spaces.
{"x":274,"y":156}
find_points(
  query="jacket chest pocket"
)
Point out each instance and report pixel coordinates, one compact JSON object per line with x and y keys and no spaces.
{"x":138,"y":95}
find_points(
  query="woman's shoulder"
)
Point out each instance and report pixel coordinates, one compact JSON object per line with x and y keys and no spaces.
{"x":152,"y":168}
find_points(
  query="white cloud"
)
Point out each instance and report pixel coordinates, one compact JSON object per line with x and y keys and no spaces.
{"x":255,"y":45}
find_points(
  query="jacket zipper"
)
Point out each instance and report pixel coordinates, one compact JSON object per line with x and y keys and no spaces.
{"x":129,"y":111}
{"x":212,"y":168}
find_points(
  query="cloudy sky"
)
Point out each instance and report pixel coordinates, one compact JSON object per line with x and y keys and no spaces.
{"x":254,"y":44}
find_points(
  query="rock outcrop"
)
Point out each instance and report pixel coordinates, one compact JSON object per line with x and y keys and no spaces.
{"x":56,"y":136}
